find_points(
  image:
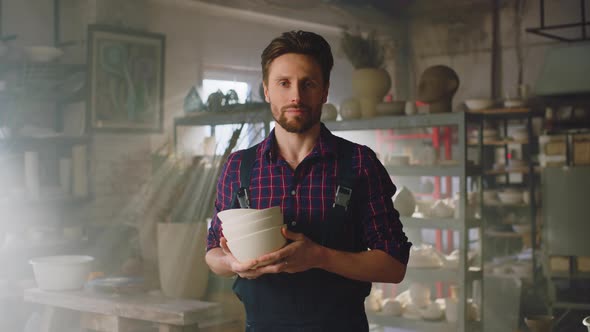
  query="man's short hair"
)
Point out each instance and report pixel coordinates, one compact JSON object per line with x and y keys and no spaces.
{"x":300,"y":42}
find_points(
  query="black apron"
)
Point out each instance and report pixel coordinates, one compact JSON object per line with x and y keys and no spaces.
{"x":313,"y":300}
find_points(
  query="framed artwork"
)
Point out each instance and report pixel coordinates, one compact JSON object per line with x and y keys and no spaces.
{"x":125,"y":79}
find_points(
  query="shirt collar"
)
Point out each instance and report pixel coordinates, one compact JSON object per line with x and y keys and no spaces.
{"x":324,"y":147}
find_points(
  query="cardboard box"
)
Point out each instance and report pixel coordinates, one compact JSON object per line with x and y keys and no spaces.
{"x":583,"y":264}
{"x":553,"y":145}
{"x":581,"y":149}
{"x":559,"y":263}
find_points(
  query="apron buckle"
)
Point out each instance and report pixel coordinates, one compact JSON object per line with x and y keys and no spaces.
{"x":342,"y":197}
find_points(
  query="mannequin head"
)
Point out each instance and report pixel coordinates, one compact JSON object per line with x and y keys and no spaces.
{"x":437,"y":87}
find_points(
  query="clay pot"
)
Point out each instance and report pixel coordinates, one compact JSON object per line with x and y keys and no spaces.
{"x":370,"y":85}
{"x":539,"y":323}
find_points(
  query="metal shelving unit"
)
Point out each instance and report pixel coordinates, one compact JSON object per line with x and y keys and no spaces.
{"x":463,"y":275}
{"x":529,"y":172}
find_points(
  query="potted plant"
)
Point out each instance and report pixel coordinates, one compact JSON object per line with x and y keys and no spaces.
{"x":370,"y":82}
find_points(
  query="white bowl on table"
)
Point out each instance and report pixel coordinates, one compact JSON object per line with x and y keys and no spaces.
{"x":57,"y":273}
{"x":513,"y":103}
{"x":479,"y":104}
{"x":510,"y":197}
{"x":43,"y":53}
{"x":522,"y":228}
{"x":256,"y":244}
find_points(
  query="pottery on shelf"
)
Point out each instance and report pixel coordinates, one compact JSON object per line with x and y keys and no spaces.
{"x":370,"y":85}
{"x":329,"y":112}
{"x":404,"y":202}
{"x":350,"y":109}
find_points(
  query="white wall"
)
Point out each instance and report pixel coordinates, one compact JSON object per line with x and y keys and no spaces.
{"x":461,"y":37}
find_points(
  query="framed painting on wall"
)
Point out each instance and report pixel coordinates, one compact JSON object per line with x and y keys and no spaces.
{"x":125,"y":79}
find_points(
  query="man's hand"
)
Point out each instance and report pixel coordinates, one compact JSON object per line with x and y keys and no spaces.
{"x":245,"y":270}
{"x":300,"y":255}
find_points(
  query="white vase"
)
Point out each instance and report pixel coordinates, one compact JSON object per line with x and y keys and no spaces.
{"x":181,"y":259}
{"x":404,"y":202}
{"x":370,"y":85}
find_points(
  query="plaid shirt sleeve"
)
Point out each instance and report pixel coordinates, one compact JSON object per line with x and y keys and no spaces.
{"x":382,"y":225}
{"x":225,"y":189}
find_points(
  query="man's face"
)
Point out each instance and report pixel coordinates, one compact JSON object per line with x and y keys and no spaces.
{"x":296,"y":92}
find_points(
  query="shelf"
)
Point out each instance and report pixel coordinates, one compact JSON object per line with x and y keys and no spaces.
{"x":506,"y":234}
{"x":412,"y":324}
{"x":572,"y":305}
{"x":432,"y":170}
{"x":400,"y":121}
{"x":64,"y":201}
{"x":252,"y":113}
{"x":473,"y":143}
{"x":439,"y":223}
{"x":507,"y":112}
{"x":568,"y":275}
{"x":49,"y":140}
{"x":520,"y":170}
{"x":488,"y":204}
{"x":432,"y":275}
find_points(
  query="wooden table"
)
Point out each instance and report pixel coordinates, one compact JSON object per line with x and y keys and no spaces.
{"x":119,"y":313}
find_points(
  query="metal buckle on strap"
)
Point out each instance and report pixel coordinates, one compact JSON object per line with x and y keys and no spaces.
{"x":342,"y":197}
{"x":243,"y":198}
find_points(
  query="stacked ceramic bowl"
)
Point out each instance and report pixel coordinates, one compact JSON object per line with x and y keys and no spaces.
{"x":251,"y":233}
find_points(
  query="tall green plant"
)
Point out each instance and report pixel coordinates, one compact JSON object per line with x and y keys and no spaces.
{"x":362,"y":52}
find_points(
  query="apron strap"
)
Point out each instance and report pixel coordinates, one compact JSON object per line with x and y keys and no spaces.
{"x":243,"y":194}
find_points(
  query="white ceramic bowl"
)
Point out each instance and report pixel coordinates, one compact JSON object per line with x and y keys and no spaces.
{"x":478,"y":104}
{"x":43,"y":53}
{"x":586,"y":322}
{"x":61,"y":272}
{"x":233,"y":216}
{"x":521,"y":228}
{"x":510,"y":197}
{"x":257,"y":244}
{"x":234,"y":231}
{"x":513,"y":103}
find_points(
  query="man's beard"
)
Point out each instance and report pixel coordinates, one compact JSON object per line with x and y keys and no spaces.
{"x":298,"y":124}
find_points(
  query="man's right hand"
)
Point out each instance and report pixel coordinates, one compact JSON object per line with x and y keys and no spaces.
{"x":245,"y":270}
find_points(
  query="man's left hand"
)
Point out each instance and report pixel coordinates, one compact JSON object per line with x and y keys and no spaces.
{"x":300,"y":255}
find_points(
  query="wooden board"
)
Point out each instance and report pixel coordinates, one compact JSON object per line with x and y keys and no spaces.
{"x":151,"y":308}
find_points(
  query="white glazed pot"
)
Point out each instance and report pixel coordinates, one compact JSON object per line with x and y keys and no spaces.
{"x":404,"y":202}
{"x":370,"y":86}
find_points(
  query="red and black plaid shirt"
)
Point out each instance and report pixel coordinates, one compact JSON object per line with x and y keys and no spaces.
{"x":307,"y":193}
